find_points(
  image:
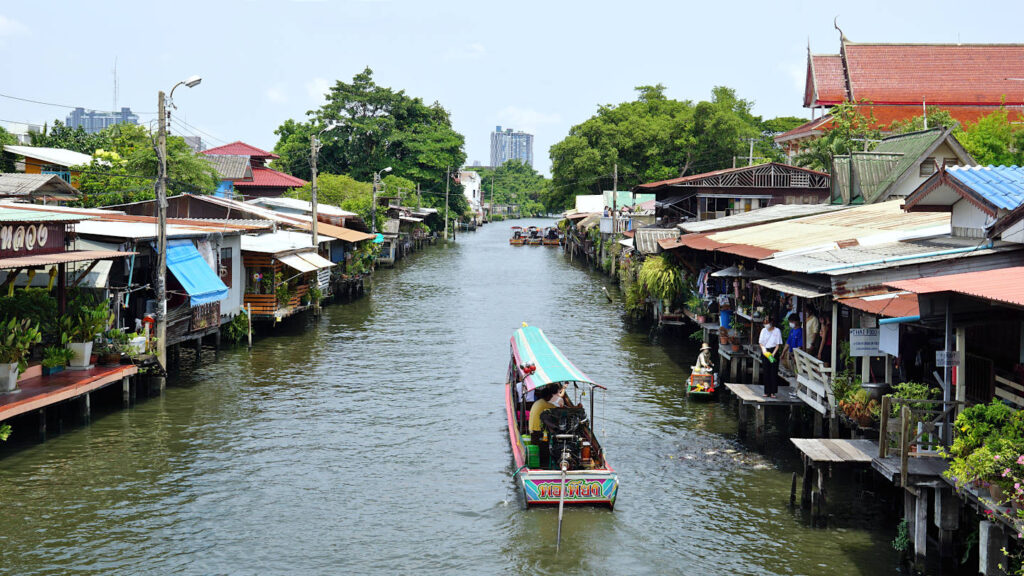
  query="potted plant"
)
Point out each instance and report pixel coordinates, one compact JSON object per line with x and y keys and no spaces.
{"x":16,"y":340}
{"x":55,"y":358}
{"x":108,"y":354}
{"x":81,"y":328}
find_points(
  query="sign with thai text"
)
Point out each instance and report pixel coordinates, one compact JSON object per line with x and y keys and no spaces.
{"x":945,"y":358}
{"x":864,"y":342}
{"x":27,"y":239}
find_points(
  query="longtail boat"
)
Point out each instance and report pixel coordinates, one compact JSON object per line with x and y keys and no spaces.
{"x":551,"y":237}
{"x":517,"y":238}
{"x":702,"y":385}
{"x":533,"y":236}
{"x":578,"y":471}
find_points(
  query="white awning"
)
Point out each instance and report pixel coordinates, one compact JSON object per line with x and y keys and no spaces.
{"x":297,"y":262}
{"x":316,"y":259}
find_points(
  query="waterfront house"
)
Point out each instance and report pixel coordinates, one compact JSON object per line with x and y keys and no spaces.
{"x":264,"y":181}
{"x":281,"y":268}
{"x":57,"y":161}
{"x":735,"y":190}
{"x":896,"y":167}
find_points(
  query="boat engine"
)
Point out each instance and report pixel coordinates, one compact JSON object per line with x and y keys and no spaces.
{"x":563,"y":435}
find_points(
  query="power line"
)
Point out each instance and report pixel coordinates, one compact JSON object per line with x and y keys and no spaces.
{"x":31,"y":101}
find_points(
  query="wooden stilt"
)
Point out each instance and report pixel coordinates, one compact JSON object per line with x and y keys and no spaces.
{"x":86,"y":407}
{"x":759,"y":425}
{"x":792,"y":491}
{"x":42,"y":424}
{"x":991,"y":543}
{"x":808,"y":486}
{"x":125,"y":392}
{"x":743,"y":420}
{"x":921,"y":524}
{"x":818,"y":425}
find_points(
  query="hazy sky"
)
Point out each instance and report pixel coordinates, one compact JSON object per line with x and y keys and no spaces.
{"x":536,"y":66}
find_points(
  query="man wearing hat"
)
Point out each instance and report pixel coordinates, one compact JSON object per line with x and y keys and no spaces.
{"x":704,"y":365}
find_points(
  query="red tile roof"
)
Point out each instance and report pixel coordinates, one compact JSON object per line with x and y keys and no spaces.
{"x":1001,"y":285}
{"x":829,"y":79}
{"x":894,"y":305}
{"x":268,"y":178}
{"x":239,"y":148}
{"x":937,"y":73}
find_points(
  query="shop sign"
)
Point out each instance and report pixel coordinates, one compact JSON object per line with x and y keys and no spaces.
{"x":944,"y":358}
{"x":864,"y":342}
{"x":25,"y":239}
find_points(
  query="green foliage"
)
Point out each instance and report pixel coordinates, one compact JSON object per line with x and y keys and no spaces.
{"x":636,"y":299}
{"x":83,"y":322}
{"x":849,"y":131}
{"x":902,"y":541}
{"x":995,"y":139}
{"x":916,"y":391}
{"x":16,"y":340}
{"x":282,"y":290}
{"x":238,"y":329}
{"x":655,"y":138}
{"x":697,"y":335}
{"x":34,"y":304}
{"x":661,"y":278}
{"x":379,"y":127}
{"x":315,"y":294}
{"x":5,"y":432}
{"x":6,"y":160}
{"x":62,"y":136}
{"x":345,"y":192}
{"x":936,"y":117}
{"x":54,"y":356}
{"x":516,"y":182}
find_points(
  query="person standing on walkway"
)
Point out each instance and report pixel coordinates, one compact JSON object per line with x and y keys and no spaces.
{"x":770,"y":341}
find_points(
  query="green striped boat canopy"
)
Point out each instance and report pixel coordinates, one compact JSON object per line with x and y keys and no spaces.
{"x":531,"y":346}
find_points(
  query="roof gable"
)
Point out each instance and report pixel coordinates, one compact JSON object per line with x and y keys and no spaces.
{"x":230,"y":167}
{"x":239,"y":148}
{"x":770,"y":175}
{"x":35,"y":186}
{"x":58,"y":156}
{"x":826,"y":79}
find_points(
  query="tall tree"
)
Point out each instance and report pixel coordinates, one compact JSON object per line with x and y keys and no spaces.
{"x":849,"y":130}
{"x":516,"y":182}
{"x":995,"y":140}
{"x":379,"y":127}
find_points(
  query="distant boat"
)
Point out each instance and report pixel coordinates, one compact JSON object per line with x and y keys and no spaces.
{"x":533,"y":236}
{"x":551,"y":236}
{"x":587,"y":477}
{"x":517,"y":238}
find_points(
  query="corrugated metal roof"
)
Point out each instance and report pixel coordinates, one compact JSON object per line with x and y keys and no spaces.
{"x":302,"y":205}
{"x":794,"y":284}
{"x":36,"y":186}
{"x":860,"y":258}
{"x":894,"y":305}
{"x":137,"y":230}
{"x":60,"y":258}
{"x":58,"y":156}
{"x":8,"y":214}
{"x":1000,"y":285}
{"x":1002,"y":186}
{"x":280,"y":241}
{"x":874,"y":221}
{"x":230,"y":167}
{"x":765,"y":215}
{"x":647,"y":238}
{"x":300,"y":221}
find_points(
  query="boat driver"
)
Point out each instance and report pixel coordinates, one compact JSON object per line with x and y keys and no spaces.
{"x":537,"y":429}
{"x":704,"y":364}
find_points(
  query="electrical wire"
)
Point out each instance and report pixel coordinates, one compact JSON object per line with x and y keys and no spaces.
{"x":42,"y":103}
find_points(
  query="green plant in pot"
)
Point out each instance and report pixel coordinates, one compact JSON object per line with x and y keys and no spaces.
{"x":55,"y":358}
{"x":16,"y":340}
{"x":81,"y":328}
{"x":108,"y":353}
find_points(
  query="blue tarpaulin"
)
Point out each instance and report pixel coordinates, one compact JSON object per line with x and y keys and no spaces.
{"x":202,"y":284}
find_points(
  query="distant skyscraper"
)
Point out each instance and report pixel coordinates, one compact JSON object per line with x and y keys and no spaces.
{"x":510,"y":144}
{"x":93,"y":121}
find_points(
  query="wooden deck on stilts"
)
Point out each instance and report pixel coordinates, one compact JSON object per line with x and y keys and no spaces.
{"x":829,"y":451}
{"x":753,"y":395}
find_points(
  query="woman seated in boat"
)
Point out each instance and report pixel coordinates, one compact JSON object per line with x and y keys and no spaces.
{"x":704,"y":364}
{"x":541,"y":405}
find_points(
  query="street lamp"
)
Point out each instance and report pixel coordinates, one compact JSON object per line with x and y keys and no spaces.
{"x":161,"y":211}
{"x":314,"y":150}
{"x":373,"y":206}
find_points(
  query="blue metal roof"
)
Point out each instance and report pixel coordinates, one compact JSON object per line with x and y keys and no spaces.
{"x":199,"y":280}
{"x":1001,"y":186}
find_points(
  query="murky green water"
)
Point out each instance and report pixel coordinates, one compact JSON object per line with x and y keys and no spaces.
{"x":372,"y":440}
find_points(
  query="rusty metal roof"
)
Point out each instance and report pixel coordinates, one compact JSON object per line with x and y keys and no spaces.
{"x":10,"y":214}
{"x":60,"y":258}
{"x":1000,"y":285}
{"x":647,"y":238}
{"x":760,"y":216}
{"x":893,"y":305}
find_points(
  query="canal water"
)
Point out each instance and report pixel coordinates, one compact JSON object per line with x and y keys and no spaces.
{"x":372,"y":440}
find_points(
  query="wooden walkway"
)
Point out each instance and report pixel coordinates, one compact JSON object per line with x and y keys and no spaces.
{"x":42,"y":391}
{"x":919,"y":470}
{"x":828,"y":451}
{"x":753,"y":395}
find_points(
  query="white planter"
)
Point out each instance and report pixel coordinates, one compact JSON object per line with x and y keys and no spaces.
{"x":8,"y":377}
{"x":82,"y":352}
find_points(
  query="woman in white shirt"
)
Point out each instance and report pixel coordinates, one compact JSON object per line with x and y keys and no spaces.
{"x":770,"y":341}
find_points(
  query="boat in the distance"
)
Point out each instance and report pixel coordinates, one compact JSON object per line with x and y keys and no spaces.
{"x":533,"y":236}
{"x":551,"y":236}
{"x":578,"y":471}
{"x":517,"y":239}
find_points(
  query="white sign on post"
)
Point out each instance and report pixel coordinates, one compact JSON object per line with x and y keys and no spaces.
{"x":944,"y":358}
{"x":864,"y":342}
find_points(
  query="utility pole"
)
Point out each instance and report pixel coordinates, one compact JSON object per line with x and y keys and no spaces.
{"x":447,"y":180}
{"x":750,"y":158}
{"x":314,"y":146}
{"x":492,"y":198}
{"x":419,"y":198}
{"x":373,"y":204}
{"x":161,"y":238}
{"x":615,"y":197}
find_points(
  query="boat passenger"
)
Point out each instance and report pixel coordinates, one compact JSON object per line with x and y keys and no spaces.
{"x":541,"y":405}
{"x":704,"y":364}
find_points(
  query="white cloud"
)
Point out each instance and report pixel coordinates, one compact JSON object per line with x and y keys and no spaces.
{"x":317,"y":89}
{"x":474,"y":51}
{"x":526,"y":119}
{"x":277,"y":94}
{"x":10,"y":28}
